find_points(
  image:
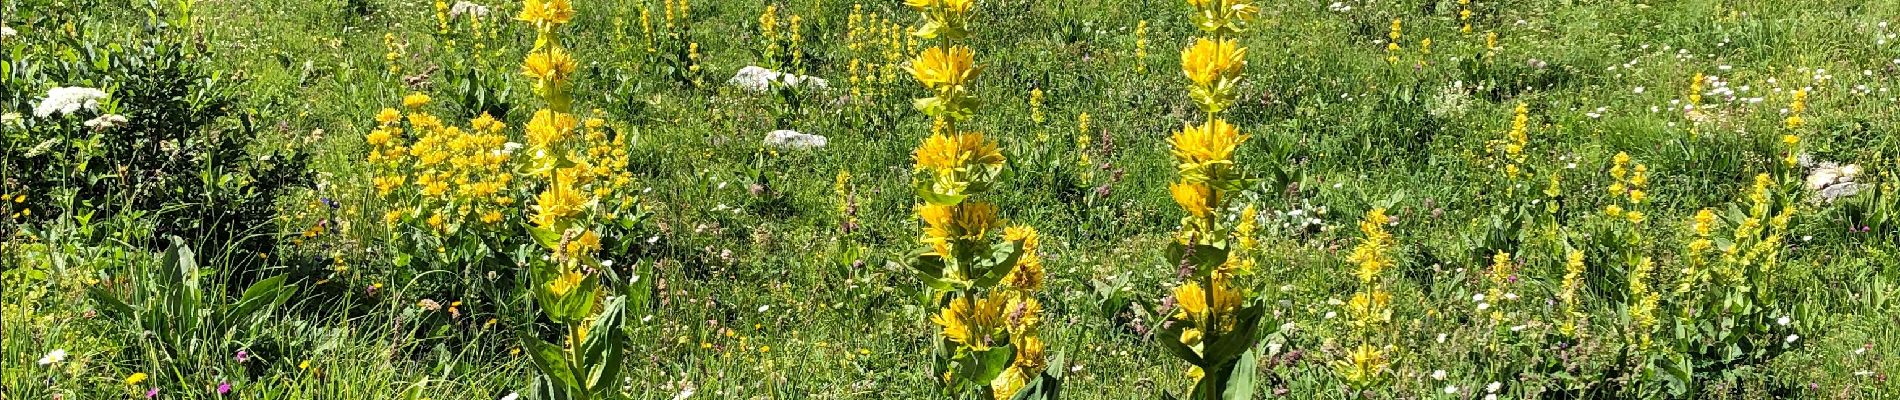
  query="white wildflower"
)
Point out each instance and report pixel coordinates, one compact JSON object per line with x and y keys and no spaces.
{"x":68,"y":100}
{"x":511,"y":396}
{"x":1438,"y":375}
{"x":1451,"y":389}
{"x":1493,"y":387}
{"x":53,"y":357}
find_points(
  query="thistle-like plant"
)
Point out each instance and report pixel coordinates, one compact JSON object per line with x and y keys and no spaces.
{"x":983,"y":283}
{"x":1211,"y":325}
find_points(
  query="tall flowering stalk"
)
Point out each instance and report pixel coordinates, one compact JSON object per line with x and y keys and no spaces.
{"x":1368,"y":363}
{"x":1210,"y":325}
{"x":576,"y":166}
{"x":983,"y":283}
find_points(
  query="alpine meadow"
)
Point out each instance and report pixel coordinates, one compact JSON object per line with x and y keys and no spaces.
{"x":949,"y":199}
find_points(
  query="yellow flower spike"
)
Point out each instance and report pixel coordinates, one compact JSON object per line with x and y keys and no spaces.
{"x":1371,"y":255}
{"x":941,"y":69}
{"x":1223,"y":16}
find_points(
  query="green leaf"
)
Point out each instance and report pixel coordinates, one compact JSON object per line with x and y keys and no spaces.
{"x":260,"y":294}
{"x":1229,"y":346}
{"x":549,"y":359}
{"x":110,"y":305}
{"x":1044,"y":386}
{"x":1003,"y":256}
{"x":929,"y":268}
{"x":1205,"y":257}
{"x":1170,"y":339}
{"x":1239,"y":379}
{"x":604,"y":349}
{"x":981,"y":367}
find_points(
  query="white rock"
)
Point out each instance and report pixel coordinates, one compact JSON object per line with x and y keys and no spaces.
{"x":462,"y":8}
{"x":1831,"y":181}
{"x":759,"y":79}
{"x":787,"y":139}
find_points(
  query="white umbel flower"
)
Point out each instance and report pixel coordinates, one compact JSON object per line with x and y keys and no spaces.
{"x":68,"y":100}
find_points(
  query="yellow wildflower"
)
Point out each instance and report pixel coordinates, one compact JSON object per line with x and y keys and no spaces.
{"x":415,"y":100}
{"x":1195,"y":198}
{"x":942,"y":70}
{"x":1209,"y":62}
{"x":973,"y":323}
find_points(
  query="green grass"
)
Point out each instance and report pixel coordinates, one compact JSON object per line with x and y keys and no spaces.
{"x":757,"y":296}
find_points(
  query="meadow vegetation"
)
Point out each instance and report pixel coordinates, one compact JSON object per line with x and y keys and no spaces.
{"x":970,"y":199}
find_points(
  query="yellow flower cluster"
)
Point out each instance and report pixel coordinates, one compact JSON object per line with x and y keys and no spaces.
{"x":768,"y":30}
{"x":782,"y":48}
{"x":1695,"y":270}
{"x":1082,"y":140}
{"x":1643,"y":299}
{"x":393,"y":53}
{"x":1223,"y":17}
{"x":1503,"y":271}
{"x":1757,"y":240}
{"x":449,"y":177}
